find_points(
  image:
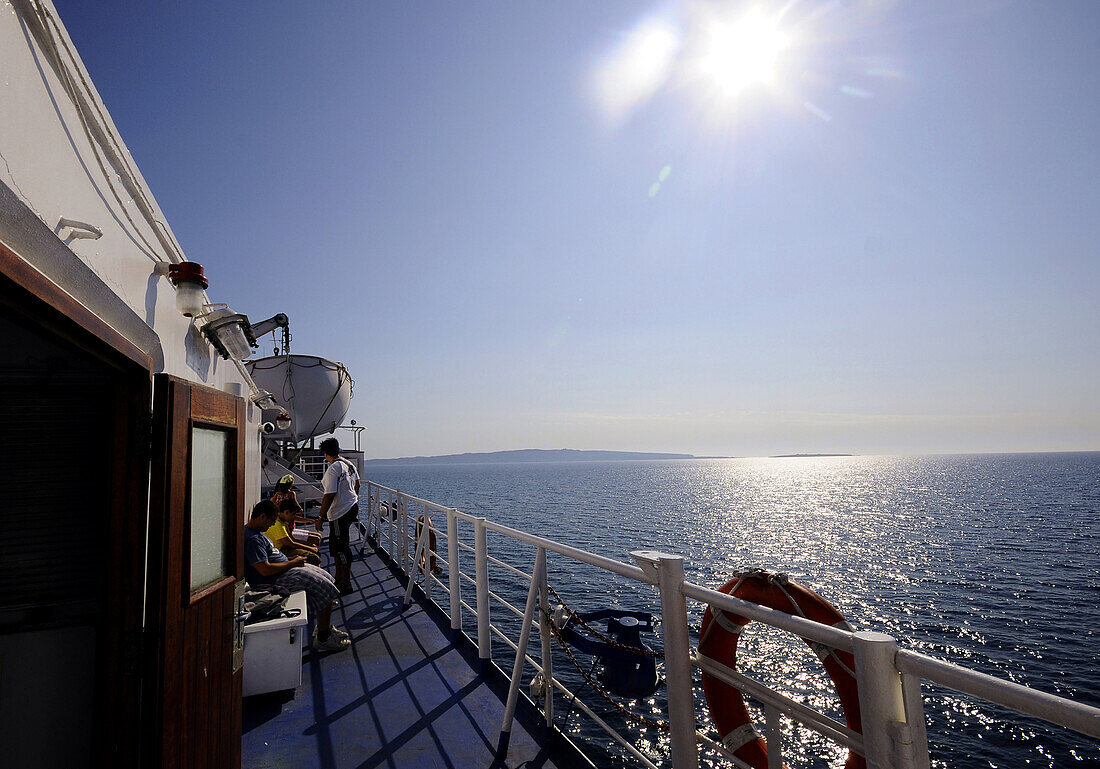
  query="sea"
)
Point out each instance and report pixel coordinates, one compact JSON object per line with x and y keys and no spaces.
{"x":990,"y":561}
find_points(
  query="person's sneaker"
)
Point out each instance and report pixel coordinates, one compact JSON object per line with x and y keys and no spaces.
{"x":436,"y":570}
{"x":333,"y":643}
{"x":338,"y":633}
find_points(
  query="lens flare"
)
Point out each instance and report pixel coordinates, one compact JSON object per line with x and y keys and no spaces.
{"x":638,"y":67}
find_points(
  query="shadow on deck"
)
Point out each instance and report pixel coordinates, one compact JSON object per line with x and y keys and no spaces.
{"x":402,"y":696}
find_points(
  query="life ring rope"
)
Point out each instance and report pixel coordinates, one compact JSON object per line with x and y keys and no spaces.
{"x":823,"y":652}
{"x":780,"y":581}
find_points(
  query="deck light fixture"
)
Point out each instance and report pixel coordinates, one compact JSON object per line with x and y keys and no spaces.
{"x":190,"y":284}
{"x":229,"y":332}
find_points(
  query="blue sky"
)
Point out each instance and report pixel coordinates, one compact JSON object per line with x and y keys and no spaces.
{"x":890,"y":247}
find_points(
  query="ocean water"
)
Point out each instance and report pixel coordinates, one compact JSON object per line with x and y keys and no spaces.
{"x":990,"y":561}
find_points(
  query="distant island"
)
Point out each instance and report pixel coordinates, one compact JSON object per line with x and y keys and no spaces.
{"x":526,"y":455}
{"x":791,"y":456}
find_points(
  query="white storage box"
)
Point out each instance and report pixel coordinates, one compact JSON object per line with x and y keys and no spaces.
{"x":273,"y":650}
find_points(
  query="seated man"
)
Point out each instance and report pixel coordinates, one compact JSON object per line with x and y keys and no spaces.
{"x":264,"y":564}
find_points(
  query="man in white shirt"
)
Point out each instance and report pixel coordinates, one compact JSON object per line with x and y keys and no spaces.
{"x":340,"y":505}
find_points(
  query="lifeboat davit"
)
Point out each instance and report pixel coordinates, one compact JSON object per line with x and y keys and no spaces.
{"x":316,"y":392}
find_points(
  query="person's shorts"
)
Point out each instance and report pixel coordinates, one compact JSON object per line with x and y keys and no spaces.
{"x":339,"y":536}
{"x":318,"y":584}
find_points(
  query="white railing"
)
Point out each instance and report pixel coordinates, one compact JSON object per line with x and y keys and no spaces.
{"x":888,"y":678}
{"x":311,"y":465}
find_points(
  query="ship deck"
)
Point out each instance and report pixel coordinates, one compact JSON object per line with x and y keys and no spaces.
{"x":403,"y":695}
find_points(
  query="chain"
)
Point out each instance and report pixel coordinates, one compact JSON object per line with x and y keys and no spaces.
{"x":660,"y":655}
{"x":664,"y":726}
{"x":629,"y":714}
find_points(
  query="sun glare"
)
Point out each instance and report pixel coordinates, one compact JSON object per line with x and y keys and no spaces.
{"x":718,"y":54}
{"x":743,"y":52}
{"x":638,"y":67}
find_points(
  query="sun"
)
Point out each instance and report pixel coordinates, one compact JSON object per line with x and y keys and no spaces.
{"x":743,"y":52}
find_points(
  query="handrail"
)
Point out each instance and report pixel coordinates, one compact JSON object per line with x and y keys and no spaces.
{"x":888,"y":677}
{"x":804,"y":628}
{"x":796,"y":710}
{"x":510,"y":567}
{"x":1033,"y":702}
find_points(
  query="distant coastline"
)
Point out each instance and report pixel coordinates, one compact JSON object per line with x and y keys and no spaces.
{"x":527,"y":455}
{"x":537,"y":456}
{"x":795,"y":456}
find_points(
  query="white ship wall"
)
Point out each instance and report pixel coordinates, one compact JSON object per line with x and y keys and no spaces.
{"x":48,"y":159}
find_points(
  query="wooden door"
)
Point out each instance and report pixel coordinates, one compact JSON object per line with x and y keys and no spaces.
{"x":196,"y":519}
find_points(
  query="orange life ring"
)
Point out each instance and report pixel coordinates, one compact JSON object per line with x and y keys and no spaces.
{"x":718,"y":640}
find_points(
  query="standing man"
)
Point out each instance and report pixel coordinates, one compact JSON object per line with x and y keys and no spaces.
{"x":340,"y":505}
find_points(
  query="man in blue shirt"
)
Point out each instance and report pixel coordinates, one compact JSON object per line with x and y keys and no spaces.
{"x":265,"y":564}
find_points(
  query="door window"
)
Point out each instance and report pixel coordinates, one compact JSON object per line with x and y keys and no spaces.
{"x":210,"y":507}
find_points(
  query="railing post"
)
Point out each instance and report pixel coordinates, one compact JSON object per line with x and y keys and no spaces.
{"x":914,"y":717}
{"x":403,"y":524}
{"x":454,"y":581}
{"x":395,"y":526}
{"x":484,"y":647}
{"x":424,"y":548}
{"x":386,"y":526}
{"x":881,"y":703}
{"x":421,"y":552}
{"x":537,"y":576}
{"x":773,"y":736}
{"x":372,"y":510}
{"x":389,"y":525}
{"x":667,"y":572}
{"x":547,"y":649}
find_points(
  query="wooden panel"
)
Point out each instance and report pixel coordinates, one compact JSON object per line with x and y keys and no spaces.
{"x":234,"y":741}
{"x":206,"y":683}
{"x":174,"y":631}
{"x":220,"y":723}
{"x":215,"y":681}
{"x":213,"y":406}
{"x":182,"y":752}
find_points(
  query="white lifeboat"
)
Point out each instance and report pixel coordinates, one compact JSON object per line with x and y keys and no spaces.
{"x":315,"y":392}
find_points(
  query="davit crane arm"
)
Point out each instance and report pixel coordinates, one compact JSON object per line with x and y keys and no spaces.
{"x":267,"y":326}
{"x":280,"y":320}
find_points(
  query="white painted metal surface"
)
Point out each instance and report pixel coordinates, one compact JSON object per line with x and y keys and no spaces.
{"x":65,"y":161}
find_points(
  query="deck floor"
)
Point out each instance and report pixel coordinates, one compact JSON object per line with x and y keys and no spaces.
{"x":401,"y":696}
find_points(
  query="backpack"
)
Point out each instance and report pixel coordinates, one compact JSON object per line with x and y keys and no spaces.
{"x":264,"y":602}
